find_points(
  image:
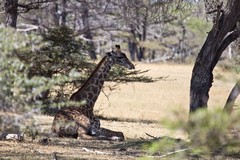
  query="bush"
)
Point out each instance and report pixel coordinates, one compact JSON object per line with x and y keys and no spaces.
{"x":210,"y":134}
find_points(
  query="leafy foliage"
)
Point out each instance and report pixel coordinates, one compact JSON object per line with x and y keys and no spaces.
{"x":210,"y":133}
{"x":60,"y":55}
{"x":46,"y":70}
{"x":121,"y":75}
{"x":13,"y":71}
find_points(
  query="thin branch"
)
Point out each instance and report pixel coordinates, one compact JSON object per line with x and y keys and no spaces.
{"x":106,"y":7}
{"x":232,"y":36}
{"x":34,"y":5}
{"x":28,"y":27}
{"x":94,"y":151}
{"x":170,"y":153}
{"x":218,"y":16}
{"x":152,"y":136}
{"x":213,"y":11}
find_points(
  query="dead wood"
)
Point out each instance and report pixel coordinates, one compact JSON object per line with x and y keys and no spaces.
{"x":12,"y":136}
{"x":228,"y":108}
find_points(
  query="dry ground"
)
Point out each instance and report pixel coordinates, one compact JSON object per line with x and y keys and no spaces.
{"x":135,"y":109}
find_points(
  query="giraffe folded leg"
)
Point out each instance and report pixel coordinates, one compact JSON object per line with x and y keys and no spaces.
{"x":103,"y":133}
{"x":108,"y":134}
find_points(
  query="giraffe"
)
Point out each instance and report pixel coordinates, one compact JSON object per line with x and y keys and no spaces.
{"x":79,"y":121}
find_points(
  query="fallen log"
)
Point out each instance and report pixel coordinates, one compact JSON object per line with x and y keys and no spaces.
{"x":12,"y":136}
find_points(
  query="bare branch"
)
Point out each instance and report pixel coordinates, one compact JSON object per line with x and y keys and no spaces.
{"x":11,"y":136}
{"x":94,"y":151}
{"x":228,"y":108}
{"x":226,"y":41}
{"x":34,"y":5}
{"x":170,"y":153}
{"x":152,"y":136}
{"x":218,"y":17}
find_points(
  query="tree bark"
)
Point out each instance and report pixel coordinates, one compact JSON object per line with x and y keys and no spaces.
{"x":223,"y":32}
{"x":11,"y":12}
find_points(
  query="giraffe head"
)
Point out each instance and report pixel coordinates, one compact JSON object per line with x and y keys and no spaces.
{"x":118,"y":57}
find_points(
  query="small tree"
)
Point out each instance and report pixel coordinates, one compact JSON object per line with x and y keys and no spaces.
{"x":59,"y":55}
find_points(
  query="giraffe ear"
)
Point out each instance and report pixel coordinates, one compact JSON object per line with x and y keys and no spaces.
{"x":109,"y":54}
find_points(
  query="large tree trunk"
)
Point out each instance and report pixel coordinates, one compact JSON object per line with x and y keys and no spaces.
{"x":223,"y":32}
{"x":11,"y":12}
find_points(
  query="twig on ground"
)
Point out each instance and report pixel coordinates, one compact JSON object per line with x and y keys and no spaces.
{"x":170,"y":153}
{"x":152,"y":136}
{"x":12,"y":136}
{"x":94,"y":151}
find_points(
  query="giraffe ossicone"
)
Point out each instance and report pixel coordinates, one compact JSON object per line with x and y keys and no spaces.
{"x":80,"y":121}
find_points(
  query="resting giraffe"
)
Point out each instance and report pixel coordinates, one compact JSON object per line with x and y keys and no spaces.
{"x":80,"y":122}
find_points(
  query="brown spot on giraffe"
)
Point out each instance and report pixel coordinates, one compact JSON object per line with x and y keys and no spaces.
{"x":79,"y":121}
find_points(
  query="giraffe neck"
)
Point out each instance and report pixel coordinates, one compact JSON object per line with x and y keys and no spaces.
{"x":91,"y":89}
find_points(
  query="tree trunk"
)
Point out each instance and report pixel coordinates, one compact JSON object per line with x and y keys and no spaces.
{"x":56,"y":16}
{"x":132,"y":44}
{"x":11,"y":12}
{"x":64,"y":13}
{"x":223,"y":32}
{"x":132,"y":48}
{"x":88,"y":34}
{"x":141,"y":53}
{"x":143,"y":38}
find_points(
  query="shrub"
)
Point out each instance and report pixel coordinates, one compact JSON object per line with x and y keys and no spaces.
{"x":210,"y":133}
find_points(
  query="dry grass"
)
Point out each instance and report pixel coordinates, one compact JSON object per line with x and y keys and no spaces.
{"x":137,"y":108}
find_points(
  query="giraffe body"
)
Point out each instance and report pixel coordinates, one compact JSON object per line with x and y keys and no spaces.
{"x":79,"y":121}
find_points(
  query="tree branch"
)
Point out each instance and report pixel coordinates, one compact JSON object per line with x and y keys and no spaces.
{"x":228,"y":108}
{"x":226,"y":41}
{"x":33,"y":5}
{"x":218,"y":17}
